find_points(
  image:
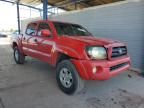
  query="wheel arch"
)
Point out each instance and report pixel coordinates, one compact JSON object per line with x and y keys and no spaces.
{"x":62,"y":56}
{"x":78,"y":65}
{"x":61,"y":53}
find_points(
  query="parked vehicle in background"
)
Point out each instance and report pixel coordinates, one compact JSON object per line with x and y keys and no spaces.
{"x":3,"y":34}
{"x":76,"y":54}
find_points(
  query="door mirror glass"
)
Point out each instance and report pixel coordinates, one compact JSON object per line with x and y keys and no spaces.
{"x":45,"y":33}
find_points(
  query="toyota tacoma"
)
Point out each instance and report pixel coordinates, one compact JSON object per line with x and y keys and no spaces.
{"x":75,"y":52}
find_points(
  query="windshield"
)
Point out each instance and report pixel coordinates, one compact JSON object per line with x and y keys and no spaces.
{"x":65,"y":29}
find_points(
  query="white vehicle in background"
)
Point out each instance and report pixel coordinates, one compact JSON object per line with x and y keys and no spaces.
{"x":2,"y":34}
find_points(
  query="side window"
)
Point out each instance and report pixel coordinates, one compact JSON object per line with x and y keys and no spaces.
{"x":42,"y":26}
{"x":31,"y":29}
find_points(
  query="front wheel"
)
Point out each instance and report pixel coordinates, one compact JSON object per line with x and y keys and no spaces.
{"x":68,"y":78}
{"x":18,"y":57}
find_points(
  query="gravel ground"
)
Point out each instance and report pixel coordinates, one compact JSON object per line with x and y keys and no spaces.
{"x":33,"y":85}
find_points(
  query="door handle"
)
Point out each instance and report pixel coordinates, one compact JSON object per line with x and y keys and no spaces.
{"x":35,"y":40}
{"x":24,"y":38}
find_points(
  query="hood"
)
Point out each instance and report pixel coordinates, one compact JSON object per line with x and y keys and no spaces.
{"x":76,"y":45}
{"x":91,"y":40}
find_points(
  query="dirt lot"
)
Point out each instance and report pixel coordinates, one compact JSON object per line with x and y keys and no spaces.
{"x":33,"y":85}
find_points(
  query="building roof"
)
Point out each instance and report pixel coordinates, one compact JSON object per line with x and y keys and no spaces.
{"x":69,"y":4}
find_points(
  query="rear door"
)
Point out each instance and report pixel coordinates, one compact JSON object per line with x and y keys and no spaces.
{"x":28,"y":41}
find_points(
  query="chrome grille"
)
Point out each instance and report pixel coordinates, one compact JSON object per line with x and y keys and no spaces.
{"x":119,"y":51}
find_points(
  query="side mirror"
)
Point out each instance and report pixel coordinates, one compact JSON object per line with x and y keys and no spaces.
{"x":45,"y":33}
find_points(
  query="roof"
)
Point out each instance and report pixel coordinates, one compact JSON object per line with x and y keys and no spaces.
{"x":69,"y":4}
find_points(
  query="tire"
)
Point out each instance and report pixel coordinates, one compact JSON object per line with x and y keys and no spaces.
{"x":18,"y":57}
{"x":75,"y":84}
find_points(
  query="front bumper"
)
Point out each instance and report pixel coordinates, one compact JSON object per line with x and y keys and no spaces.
{"x":105,"y":69}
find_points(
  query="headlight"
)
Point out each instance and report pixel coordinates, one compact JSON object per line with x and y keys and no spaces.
{"x":97,"y":52}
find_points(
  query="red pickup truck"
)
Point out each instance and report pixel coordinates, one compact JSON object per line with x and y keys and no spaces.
{"x":76,"y":54}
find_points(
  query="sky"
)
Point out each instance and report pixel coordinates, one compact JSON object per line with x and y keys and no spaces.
{"x":8,"y":15}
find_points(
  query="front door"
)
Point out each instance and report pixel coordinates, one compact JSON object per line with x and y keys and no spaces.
{"x":45,"y":44}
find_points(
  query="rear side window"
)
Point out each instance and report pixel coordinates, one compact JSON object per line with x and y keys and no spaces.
{"x":42,"y":26}
{"x":31,"y":29}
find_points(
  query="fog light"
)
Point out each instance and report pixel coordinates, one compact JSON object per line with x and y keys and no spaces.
{"x":94,"y":70}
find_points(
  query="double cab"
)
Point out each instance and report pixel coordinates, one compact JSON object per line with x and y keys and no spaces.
{"x":73,"y":50}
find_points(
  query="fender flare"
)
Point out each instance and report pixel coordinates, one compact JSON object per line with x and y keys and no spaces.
{"x":74,"y":57}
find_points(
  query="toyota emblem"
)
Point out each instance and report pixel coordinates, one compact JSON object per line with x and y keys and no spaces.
{"x":120,"y":51}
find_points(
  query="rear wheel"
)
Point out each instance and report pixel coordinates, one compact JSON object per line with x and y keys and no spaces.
{"x":18,"y":57}
{"x":68,"y":78}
